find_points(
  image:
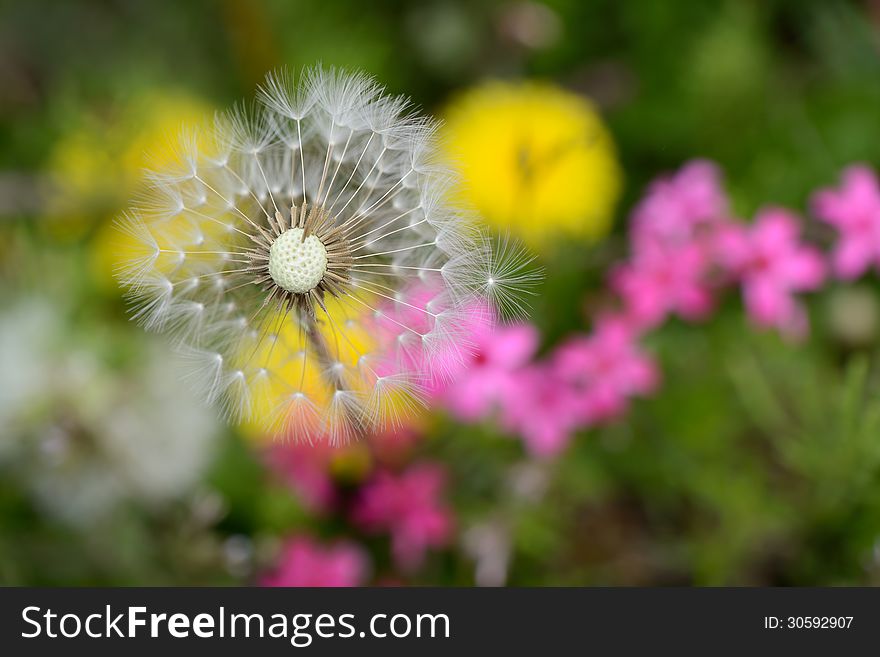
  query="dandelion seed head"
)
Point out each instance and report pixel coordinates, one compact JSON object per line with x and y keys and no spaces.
{"x":297,"y":263}
{"x":307,"y":259}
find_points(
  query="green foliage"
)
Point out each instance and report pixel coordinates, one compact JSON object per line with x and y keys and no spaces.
{"x":758,"y":461}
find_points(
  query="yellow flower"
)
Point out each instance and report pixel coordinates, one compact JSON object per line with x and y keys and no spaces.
{"x":535,"y":159}
{"x":287,"y":367}
{"x":97,"y":167}
{"x":103,"y":159}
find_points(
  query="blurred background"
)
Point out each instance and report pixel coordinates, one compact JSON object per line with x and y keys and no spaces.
{"x":755,"y":461}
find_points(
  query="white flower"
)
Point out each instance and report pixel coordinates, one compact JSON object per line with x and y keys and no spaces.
{"x":83,"y":436}
{"x":281,"y":248}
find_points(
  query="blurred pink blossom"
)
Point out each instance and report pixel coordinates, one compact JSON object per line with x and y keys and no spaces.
{"x":305,"y":468}
{"x":540,"y":409}
{"x":488,"y":379}
{"x":449,"y":354}
{"x":677,"y":206}
{"x":604,"y":369}
{"x":589,"y":379}
{"x":772,"y":264}
{"x":398,"y":324}
{"x":660,"y":281}
{"x":305,"y":562}
{"x":684,"y":248}
{"x":854,"y":210}
{"x":409,"y":507}
{"x":395,"y":445}
{"x":671,"y":236}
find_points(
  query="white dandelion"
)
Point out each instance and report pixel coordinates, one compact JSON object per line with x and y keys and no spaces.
{"x":306,"y":258}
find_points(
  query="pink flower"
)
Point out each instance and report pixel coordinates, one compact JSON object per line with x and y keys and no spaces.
{"x":772,"y":265}
{"x":854,"y":210}
{"x":676,"y":207}
{"x":540,"y":409}
{"x":398,"y":325}
{"x":448,"y":353}
{"x":409,"y":508}
{"x":488,"y":378}
{"x":660,"y":281}
{"x":304,"y":562}
{"x":395,"y":445}
{"x":589,"y":379}
{"x":604,"y":370}
{"x":671,"y":237}
{"x":304,"y":468}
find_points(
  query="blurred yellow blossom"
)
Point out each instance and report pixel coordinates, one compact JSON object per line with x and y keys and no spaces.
{"x":97,"y":166}
{"x":535,"y":159}
{"x":289,"y":368}
{"x":103,"y":158}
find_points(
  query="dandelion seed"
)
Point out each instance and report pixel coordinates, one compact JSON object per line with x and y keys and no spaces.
{"x":281,"y":250}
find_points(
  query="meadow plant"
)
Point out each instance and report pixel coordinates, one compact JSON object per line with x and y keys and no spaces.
{"x":685,"y":250}
{"x":270,"y":249}
{"x":409,"y":507}
{"x":303,"y":561}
